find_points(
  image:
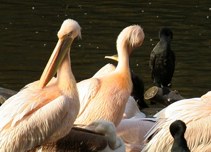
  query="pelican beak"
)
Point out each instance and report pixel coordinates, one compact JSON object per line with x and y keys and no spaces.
{"x":113,"y":57}
{"x":61,"y":49}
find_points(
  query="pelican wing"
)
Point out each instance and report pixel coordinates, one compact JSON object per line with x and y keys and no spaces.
{"x":15,"y":108}
{"x":195,"y":113}
{"x":177,"y":106}
{"x":20,"y":105}
{"x":108,"y":68}
{"x":133,"y":130}
{"x":165,"y":114}
{"x":132,"y":109}
{"x":30,"y":119}
{"x":89,"y":87}
{"x":87,"y":90}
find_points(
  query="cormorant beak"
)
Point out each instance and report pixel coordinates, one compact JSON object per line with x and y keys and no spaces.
{"x":61,"y":49}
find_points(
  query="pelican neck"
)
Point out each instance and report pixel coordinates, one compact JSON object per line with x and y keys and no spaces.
{"x":66,"y":79}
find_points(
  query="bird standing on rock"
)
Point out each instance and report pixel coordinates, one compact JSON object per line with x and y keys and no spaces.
{"x":162,"y":59}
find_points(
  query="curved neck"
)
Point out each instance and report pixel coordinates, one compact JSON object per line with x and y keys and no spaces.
{"x":123,"y":54}
{"x":65,"y":77}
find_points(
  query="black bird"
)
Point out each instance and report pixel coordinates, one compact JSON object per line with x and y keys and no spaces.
{"x":177,"y":130}
{"x":138,"y":90}
{"x":162,"y":59}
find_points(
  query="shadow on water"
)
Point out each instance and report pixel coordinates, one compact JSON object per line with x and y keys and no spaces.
{"x":28,"y":35}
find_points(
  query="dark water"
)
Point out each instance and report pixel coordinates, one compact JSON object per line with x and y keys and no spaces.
{"x":28,"y":35}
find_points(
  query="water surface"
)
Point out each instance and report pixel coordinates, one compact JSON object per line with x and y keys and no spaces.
{"x":28,"y":35}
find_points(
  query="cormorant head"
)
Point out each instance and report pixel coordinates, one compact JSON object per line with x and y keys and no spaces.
{"x":178,"y":127}
{"x":166,"y":33}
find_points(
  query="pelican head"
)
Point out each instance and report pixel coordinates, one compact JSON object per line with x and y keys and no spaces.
{"x":69,"y":30}
{"x":133,"y":35}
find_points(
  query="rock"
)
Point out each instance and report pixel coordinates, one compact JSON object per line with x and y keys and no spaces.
{"x":162,"y":95}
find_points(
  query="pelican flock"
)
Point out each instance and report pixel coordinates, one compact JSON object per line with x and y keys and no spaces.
{"x":136,"y":35}
{"x":43,"y":111}
{"x":41,"y":115}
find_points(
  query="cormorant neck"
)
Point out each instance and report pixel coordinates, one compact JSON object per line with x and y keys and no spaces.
{"x":165,"y":43}
{"x":165,"y":39}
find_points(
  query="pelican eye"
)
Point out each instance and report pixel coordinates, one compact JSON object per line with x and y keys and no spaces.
{"x":69,"y":34}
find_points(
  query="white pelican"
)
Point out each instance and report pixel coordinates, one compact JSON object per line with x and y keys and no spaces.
{"x":42,"y":111}
{"x":105,"y":97}
{"x":134,"y":126}
{"x":195,"y":113}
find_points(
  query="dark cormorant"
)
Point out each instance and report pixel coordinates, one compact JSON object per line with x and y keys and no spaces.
{"x":138,"y":90}
{"x":162,"y":59}
{"x":177,"y":130}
